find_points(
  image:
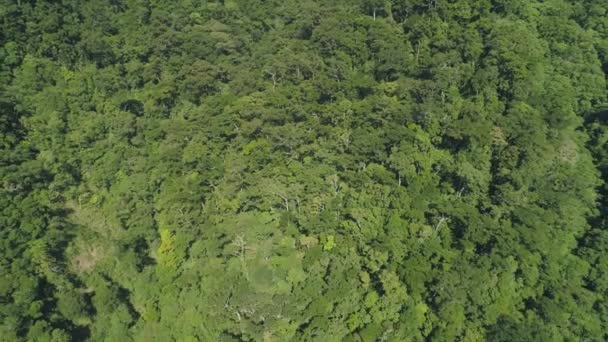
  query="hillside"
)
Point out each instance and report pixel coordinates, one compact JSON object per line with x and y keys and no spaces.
{"x":299,"y":170}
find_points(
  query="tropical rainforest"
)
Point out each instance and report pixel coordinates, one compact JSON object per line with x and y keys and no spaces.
{"x":299,"y":170}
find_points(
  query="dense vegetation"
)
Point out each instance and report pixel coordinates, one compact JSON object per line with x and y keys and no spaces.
{"x":278,"y":170}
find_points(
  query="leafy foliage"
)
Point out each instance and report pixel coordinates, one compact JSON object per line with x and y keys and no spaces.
{"x":303,"y":170}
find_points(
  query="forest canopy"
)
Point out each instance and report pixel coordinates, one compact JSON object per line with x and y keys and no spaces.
{"x":299,"y":170}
